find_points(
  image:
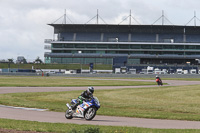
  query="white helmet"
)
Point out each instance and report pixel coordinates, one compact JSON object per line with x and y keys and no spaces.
{"x":90,"y":90}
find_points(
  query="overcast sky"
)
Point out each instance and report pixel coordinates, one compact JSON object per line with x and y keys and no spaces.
{"x":23,"y":23}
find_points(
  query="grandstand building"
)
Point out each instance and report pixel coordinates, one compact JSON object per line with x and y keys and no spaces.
{"x":128,"y":44}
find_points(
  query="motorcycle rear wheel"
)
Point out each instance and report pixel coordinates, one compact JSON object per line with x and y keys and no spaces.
{"x":90,"y":113}
{"x":68,"y":115}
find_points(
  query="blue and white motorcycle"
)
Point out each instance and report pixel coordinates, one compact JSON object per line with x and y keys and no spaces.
{"x":85,"y":110}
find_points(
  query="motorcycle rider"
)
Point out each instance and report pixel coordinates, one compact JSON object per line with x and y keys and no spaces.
{"x":85,"y":96}
{"x":158,"y":80}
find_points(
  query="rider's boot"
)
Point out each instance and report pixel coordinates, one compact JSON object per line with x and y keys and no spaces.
{"x":74,"y":106}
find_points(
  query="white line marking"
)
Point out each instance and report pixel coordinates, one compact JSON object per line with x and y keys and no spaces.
{"x":24,"y":108}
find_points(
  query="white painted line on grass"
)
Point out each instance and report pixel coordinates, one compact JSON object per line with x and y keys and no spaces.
{"x":24,"y":108}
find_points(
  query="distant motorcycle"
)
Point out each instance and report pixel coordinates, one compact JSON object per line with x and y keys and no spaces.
{"x":159,"y":82}
{"x":85,"y":110}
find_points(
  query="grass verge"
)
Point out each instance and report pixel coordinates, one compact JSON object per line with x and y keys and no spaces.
{"x":69,"y":128}
{"x":21,"y":81}
{"x":180,"y":102}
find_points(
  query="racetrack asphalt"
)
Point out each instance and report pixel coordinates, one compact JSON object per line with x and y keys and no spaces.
{"x":59,"y":117}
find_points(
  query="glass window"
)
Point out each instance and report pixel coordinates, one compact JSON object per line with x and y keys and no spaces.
{"x":190,"y":53}
{"x":190,"y":47}
{"x":156,"y":46}
{"x":179,"y":53}
{"x":113,"y":46}
{"x":152,"y":52}
{"x":123,"y":52}
{"x":89,"y":51}
{"x":90,"y":45}
{"x":67,"y":60}
{"x":74,"y":51}
{"x":133,"y":61}
{"x":67,"y":51}
{"x":79,"y":45}
{"x":179,"y":47}
{"x":102,"y":46}
{"x":56,"y":51}
{"x":135,"y":46}
{"x":76,"y":60}
{"x":89,"y":60}
{"x":124,"y":46}
{"x":146,"y":46}
{"x":137,"y":52}
{"x":108,"y":61}
{"x":57,"y":45}
{"x":197,"y":47}
{"x":168,"y":46}
{"x":69,"y":45}
{"x":100,"y":51}
{"x":104,"y":60}
{"x":168,"y":52}
{"x":100,"y":60}
{"x":56,"y":60}
{"x":111,"y":52}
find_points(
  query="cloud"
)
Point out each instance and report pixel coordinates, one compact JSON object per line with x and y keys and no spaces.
{"x":23,"y":32}
{"x":24,"y":22}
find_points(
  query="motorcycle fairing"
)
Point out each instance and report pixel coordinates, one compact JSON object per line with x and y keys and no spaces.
{"x":74,"y":101}
{"x":81,"y":108}
{"x":79,"y":112}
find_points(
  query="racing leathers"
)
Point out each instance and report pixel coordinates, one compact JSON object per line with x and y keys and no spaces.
{"x":85,"y":96}
{"x":159,"y":81}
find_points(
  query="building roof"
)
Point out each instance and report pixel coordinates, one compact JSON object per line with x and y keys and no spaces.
{"x":60,"y":28}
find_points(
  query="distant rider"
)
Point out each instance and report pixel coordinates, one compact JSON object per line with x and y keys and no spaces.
{"x":85,"y":96}
{"x":158,"y":80}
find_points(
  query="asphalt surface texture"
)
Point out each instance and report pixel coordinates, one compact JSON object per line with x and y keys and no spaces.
{"x":16,"y":113}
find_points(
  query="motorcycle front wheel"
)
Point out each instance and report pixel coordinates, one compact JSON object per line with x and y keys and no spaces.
{"x":90,"y":113}
{"x":68,"y":115}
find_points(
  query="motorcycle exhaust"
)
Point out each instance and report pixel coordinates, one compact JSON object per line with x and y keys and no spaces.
{"x":68,"y":106}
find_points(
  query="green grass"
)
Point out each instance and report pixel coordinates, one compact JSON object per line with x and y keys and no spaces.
{"x":67,"y":128}
{"x":63,"y":81}
{"x":185,"y":79}
{"x":180,"y":102}
{"x":160,"y":102}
